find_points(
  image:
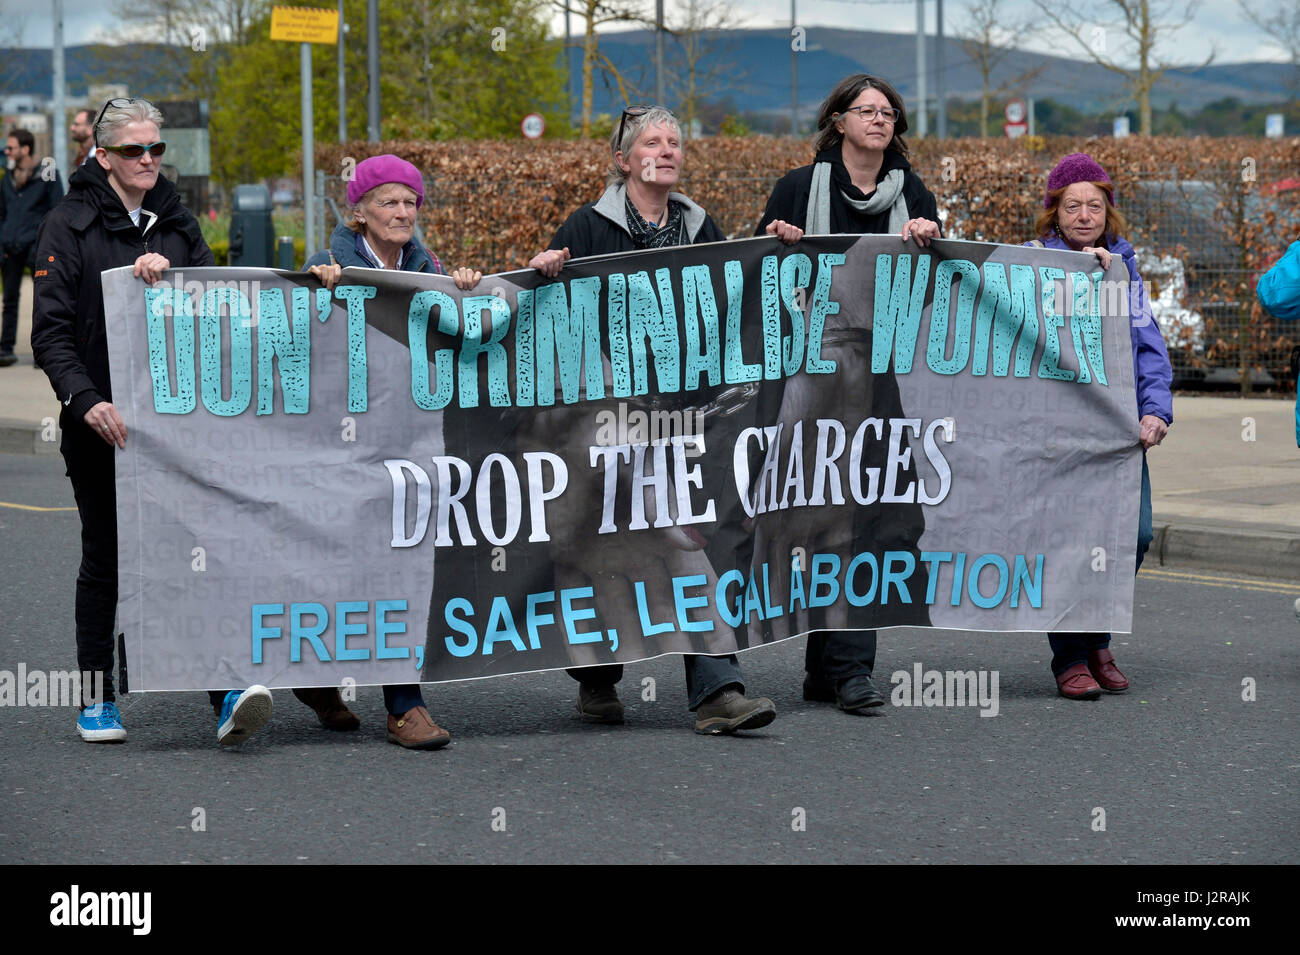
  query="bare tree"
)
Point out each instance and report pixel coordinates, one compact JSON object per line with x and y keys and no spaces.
{"x":1283,"y":26}
{"x":697,"y":26}
{"x":987,"y":42}
{"x":190,"y":22}
{"x":1146,"y":24}
{"x":13,"y":24}
{"x":594,"y":14}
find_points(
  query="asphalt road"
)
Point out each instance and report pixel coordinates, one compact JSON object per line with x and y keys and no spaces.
{"x":1185,"y":770}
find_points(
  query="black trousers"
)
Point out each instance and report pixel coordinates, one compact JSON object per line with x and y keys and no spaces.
{"x":89,"y":462}
{"x":11,"y":272}
{"x":840,"y":654}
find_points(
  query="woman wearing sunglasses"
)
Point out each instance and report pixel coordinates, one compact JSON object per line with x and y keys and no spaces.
{"x":640,"y":210}
{"x":118,"y":212}
{"x":859,"y":182}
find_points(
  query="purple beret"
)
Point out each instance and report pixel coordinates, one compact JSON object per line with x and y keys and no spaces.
{"x":378,"y":170}
{"x":1076,"y":167}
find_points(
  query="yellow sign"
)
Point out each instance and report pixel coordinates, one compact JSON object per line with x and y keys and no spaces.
{"x":304,"y":25}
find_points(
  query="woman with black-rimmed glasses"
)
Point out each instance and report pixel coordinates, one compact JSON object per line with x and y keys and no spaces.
{"x":118,"y":212}
{"x":860,"y":182}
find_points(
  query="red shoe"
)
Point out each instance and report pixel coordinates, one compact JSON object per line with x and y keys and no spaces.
{"x":1077,"y":683}
{"x":1102,"y":666}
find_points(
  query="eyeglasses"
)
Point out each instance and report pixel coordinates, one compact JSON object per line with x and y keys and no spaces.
{"x":116,"y":103}
{"x":868,"y":113}
{"x":633,"y":112}
{"x":136,"y":150}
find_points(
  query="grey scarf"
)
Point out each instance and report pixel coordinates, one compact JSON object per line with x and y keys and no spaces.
{"x":888,"y":195}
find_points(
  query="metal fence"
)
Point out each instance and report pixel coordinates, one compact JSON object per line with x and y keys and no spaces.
{"x":1202,"y":245}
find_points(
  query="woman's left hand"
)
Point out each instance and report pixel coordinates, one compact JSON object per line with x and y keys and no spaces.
{"x":150,"y":267}
{"x":466,"y":278}
{"x":1103,"y":255}
{"x":1153,"y":429}
{"x":922,"y":230}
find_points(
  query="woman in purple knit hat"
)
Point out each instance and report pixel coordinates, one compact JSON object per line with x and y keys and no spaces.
{"x":1080,"y":215}
{"x":384,"y":196}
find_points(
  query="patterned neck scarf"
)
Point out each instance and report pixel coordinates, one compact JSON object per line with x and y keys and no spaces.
{"x":646,"y":236}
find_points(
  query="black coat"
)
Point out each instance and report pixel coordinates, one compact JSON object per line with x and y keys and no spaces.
{"x":21,"y":211}
{"x":87,"y":233}
{"x":600,"y":228}
{"x":789,"y":199}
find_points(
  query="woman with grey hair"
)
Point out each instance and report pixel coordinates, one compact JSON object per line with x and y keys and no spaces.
{"x":118,"y":212}
{"x":640,"y":210}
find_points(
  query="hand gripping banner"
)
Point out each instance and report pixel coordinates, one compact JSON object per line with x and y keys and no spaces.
{"x":693,"y":450}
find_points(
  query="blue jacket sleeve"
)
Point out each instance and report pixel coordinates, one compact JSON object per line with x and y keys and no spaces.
{"x":1279,"y":289}
{"x":1153,"y":374}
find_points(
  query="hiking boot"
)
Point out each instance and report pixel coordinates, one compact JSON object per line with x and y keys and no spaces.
{"x":728,"y":711}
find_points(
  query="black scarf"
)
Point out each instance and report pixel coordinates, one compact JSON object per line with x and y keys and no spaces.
{"x":646,"y":236}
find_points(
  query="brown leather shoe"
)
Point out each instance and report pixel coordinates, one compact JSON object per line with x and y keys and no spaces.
{"x":330,"y":709}
{"x":416,"y":730}
{"x":1102,"y":667}
{"x":1077,"y":683}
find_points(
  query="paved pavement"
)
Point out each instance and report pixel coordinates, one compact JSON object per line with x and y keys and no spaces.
{"x":1185,"y":768}
{"x":1225,"y":482}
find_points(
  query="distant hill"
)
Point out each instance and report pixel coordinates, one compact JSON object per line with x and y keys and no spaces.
{"x":754,"y":70}
{"x":761,"y":72}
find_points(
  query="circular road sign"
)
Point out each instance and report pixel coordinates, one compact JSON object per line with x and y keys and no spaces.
{"x":533,"y":126}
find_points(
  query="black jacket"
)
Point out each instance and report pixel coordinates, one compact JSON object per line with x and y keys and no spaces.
{"x":601,"y":228}
{"x":21,"y":210}
{"x":789,"y":199}
{"x":87,"y":233}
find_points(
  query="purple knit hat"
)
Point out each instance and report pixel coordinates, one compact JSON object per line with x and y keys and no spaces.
{"x":378,"y":170}
{"x":1076,"y":167}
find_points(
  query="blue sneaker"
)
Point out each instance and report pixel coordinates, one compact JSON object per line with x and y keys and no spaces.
{"x":243,"y":714}
{"x":101,"y":723}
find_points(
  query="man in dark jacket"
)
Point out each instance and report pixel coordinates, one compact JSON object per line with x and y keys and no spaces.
{"x":25,"y":197}
{"x":119,"y":212}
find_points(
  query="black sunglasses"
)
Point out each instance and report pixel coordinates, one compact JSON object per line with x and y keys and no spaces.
{"x":136,"y":150}
{"x":116,"y":103}
{"x":633,"y":112}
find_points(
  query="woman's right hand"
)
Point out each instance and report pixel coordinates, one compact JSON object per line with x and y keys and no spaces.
{"x":327,"y":275}
{"x":787,"y":233}
{"x":1103,"y":255}
{"x":104,"y":420}
{"x":550,"y":262}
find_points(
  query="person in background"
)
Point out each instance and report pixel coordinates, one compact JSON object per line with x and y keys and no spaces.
{"x":1279,"y":292}
{"x":81,"y":134}
{"x":384,"y":197}
{"x":1079,"y":213}
{"x":25,"y":197}
{"x":118,"y":212}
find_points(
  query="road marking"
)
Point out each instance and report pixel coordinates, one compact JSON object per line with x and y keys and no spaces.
{"x":32,"y":507}
{"x":1237,"y":583}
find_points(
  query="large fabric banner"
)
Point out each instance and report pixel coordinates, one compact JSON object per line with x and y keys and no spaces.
{"x":699,"y":449}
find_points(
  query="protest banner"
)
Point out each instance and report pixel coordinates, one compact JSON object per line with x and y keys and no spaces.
{"x":698,"y":449}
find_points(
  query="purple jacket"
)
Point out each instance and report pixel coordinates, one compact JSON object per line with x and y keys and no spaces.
{"x":1151,"y":369}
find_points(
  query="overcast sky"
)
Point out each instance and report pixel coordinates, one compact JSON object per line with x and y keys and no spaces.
{"x":1216,"y":24}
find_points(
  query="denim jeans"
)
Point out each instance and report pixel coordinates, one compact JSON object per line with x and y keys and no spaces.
{"x":1069,"y":649}
{"x":704,"y":675}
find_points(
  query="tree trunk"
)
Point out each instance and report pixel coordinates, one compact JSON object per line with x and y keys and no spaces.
{"x":588,"y":67}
